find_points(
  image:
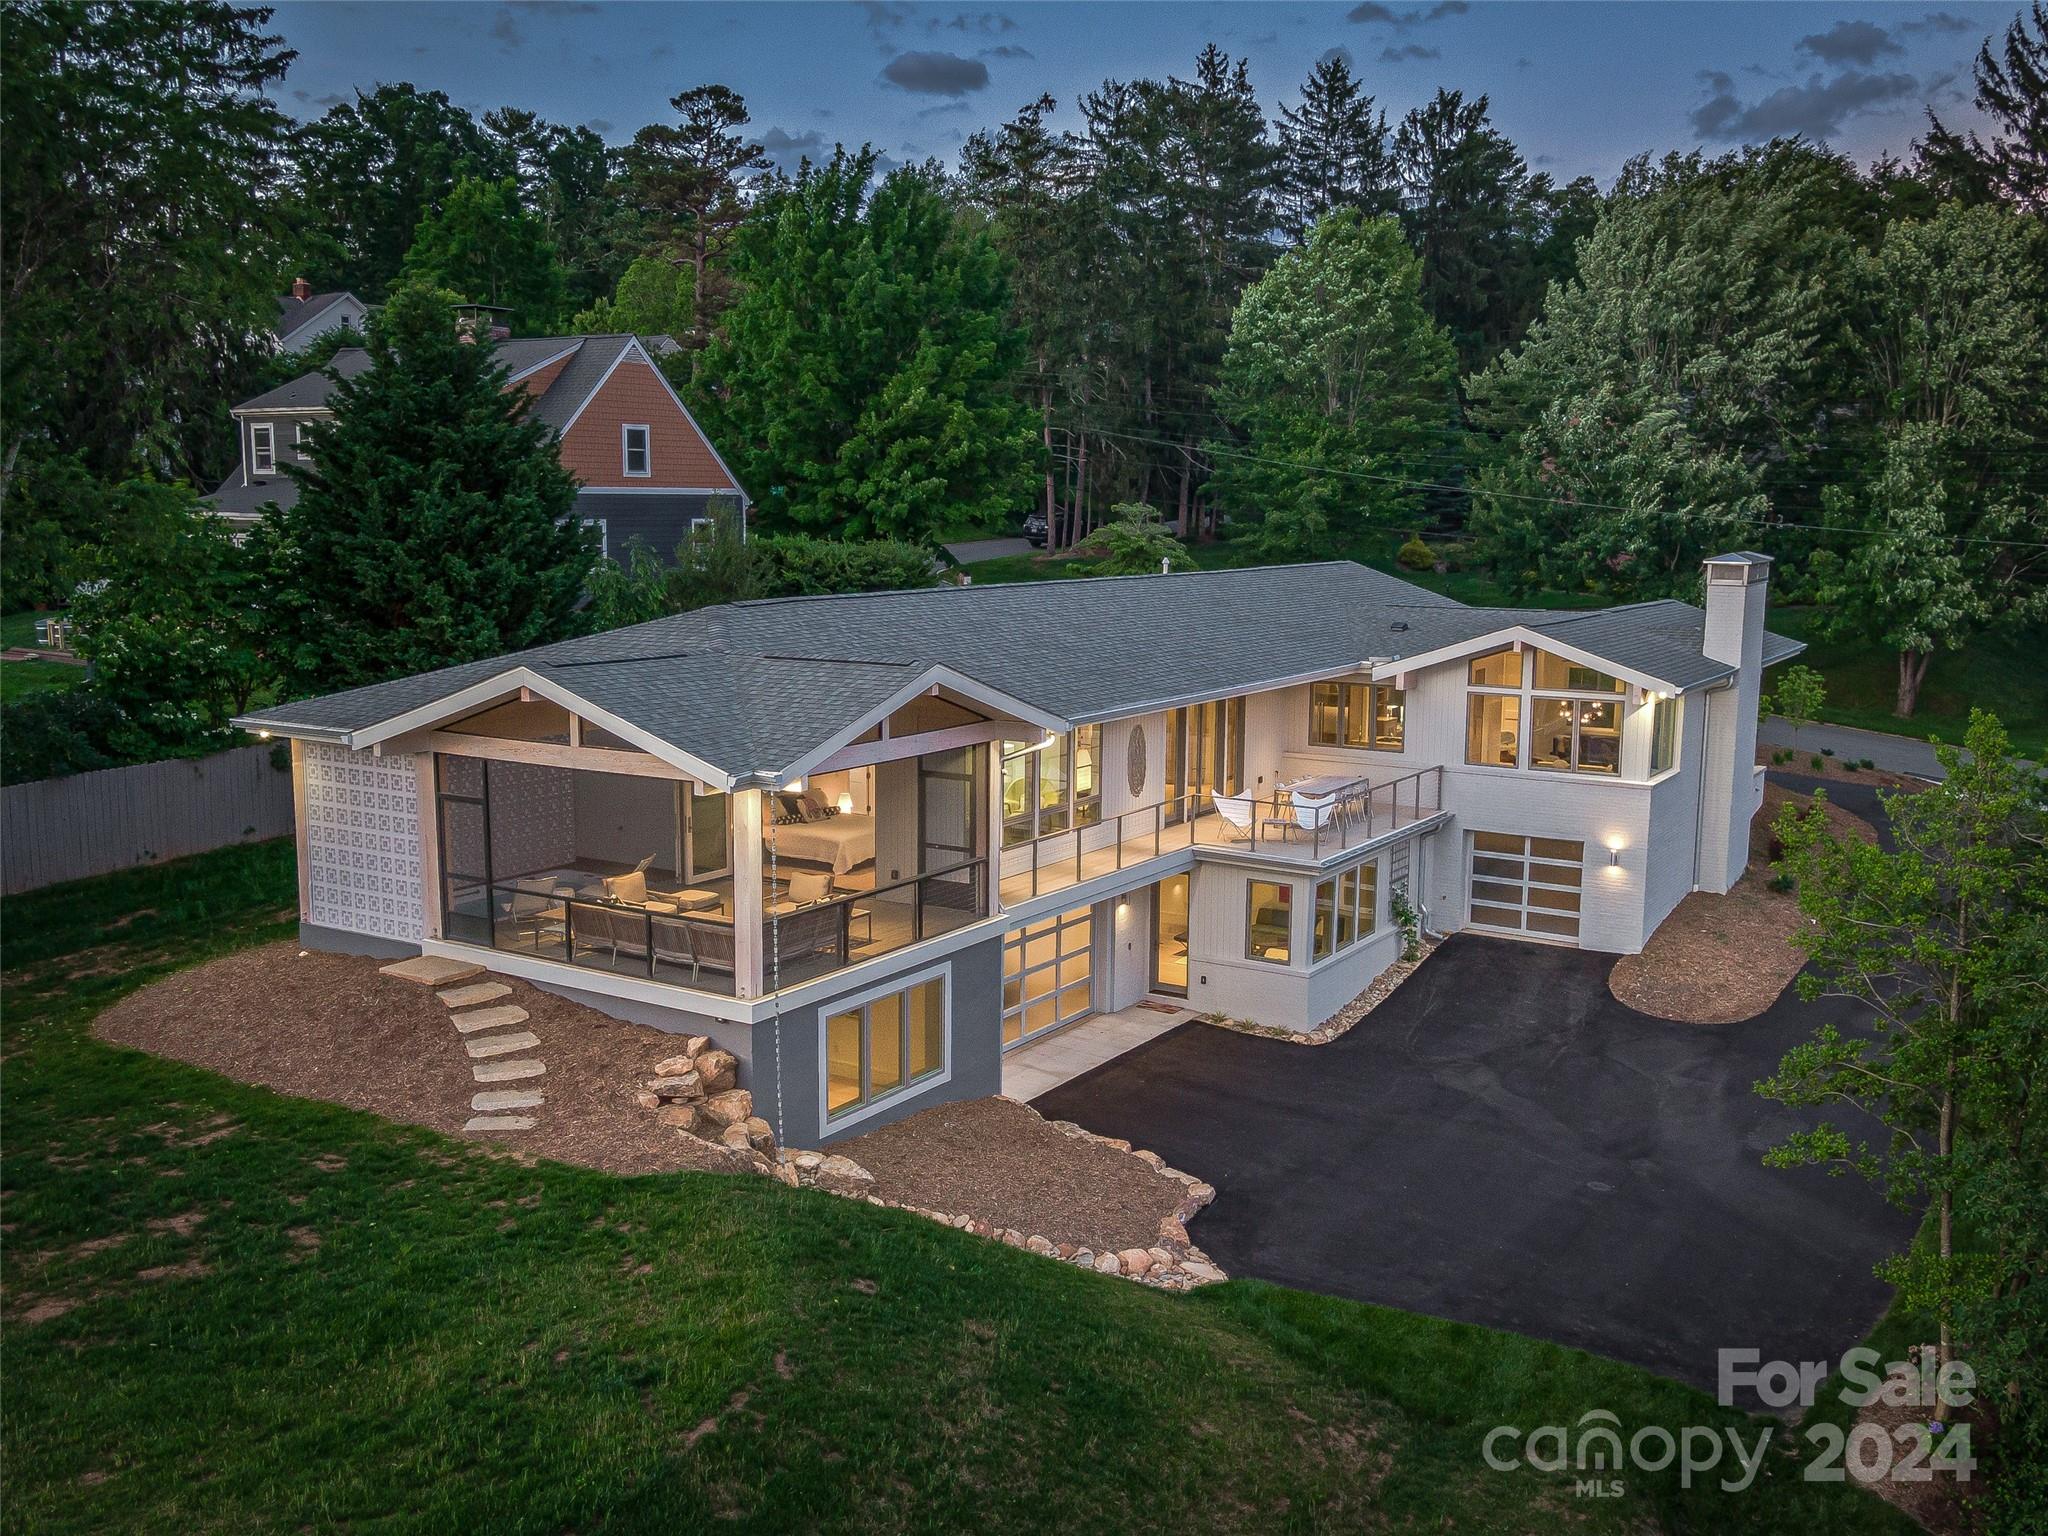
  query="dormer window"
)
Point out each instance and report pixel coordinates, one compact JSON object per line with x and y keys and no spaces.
{"x":635,"y":452}
{"x":262,"y":448}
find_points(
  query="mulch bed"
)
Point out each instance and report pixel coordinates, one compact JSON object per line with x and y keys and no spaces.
{"x":1724,"y":959}
{"x":999,"y":1160}
{"x":323,"y":1026}
{"x":1833,"y":768}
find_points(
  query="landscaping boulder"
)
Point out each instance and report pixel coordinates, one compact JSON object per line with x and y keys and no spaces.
{"x":845,"y":1168}
{"x":687,"y":1086}
{"x":647,"y":1100}
{"x":684,"y":1116}
{"x":731,"y":1107}
{"x":674,"y":1066}
{"x":760,"y":1135}
{"x":1134,"y":1261}
{"x":717,"y":1070}
{"x":735,"y":1136}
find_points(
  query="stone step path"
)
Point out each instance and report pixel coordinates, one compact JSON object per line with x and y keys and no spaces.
{"x":489,"y":1018}
{"x":506,"y":1098}
{"x":507,"y":1071}
{"x":478,"y":992}
{"x":461,"y":986}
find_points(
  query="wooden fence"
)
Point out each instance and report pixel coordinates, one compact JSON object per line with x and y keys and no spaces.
{"x":94,"y":823}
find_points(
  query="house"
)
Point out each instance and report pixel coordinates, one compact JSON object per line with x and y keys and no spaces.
{"x":647,"y":471}
{"x":868,"y":843}
{"x":303,"y":315}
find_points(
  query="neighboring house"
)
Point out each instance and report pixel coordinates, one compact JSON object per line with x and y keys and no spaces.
{"x":303,"y":315}
{"x":870,"y":842}
{"x":647,"y":471}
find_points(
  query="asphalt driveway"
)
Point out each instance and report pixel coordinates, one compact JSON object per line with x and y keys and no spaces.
{"x":1501,"y":1142}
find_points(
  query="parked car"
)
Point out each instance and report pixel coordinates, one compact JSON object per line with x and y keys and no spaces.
{"x":1035,"y":529}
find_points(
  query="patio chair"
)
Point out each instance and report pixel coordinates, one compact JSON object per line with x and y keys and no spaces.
{"x":1312,"y":815}
{"x":808,"y":931}
{"x":1235,"y":812}
{"x":615,"y":930}
{"x":806,"y":888}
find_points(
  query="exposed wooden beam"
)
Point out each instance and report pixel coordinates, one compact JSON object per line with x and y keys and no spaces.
{"x":864,"y":754}
{"x":550,"y":754}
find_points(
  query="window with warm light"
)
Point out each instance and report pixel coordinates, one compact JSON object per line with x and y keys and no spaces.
{"x":1347,"y":909}
{"x":1048,"y":787}
{"x":1663,"y":735}
{"x":1269,"y":921}
{"x":884,"y":1044}
{"x":1368,"y":716}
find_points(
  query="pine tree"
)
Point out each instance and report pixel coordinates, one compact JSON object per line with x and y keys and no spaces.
{"x":2013,"y":94}
{"x":1334,"y":151}
{"x":690,"y":178}
{"x":435,"y":523}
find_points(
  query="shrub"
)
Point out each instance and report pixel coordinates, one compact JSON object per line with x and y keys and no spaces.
{"x":1819,"y":763}
{"x":1781,"y":882}
{"x":1415,"y":555}
{"x":1827,"y":751}
{"x":47,"y":735}
{"x":1866,"y":764}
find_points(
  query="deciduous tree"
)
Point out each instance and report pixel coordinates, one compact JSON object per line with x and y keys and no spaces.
{"x":482,"y":245}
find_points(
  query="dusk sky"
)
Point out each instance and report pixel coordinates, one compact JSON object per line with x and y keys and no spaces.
{"x":1579,"y":87}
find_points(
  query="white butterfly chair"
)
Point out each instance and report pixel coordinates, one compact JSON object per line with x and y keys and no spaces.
{"x":1312,"y":814}
{"x":1235,"y":812}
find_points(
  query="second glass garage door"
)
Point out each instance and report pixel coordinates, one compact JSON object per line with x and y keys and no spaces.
{"x":1527,"y":885}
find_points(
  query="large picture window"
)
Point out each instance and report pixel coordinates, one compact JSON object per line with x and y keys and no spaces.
{"x":1575,"y":736}
{"x":1493,"y":729}
{"x":1573,"y":717}
{"x":1048,"y":788}
{"x":1368,"y":716}
{"x":884,"y":1044}
{"x":1269,"y":921}
{"x":1347,"y":909}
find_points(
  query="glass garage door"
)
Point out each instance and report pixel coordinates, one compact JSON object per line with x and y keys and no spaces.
{"x":1527,"y":885}
{"x":1046,"y":974}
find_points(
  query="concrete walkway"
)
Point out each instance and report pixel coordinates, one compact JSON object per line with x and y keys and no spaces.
{"x":970,"y":550}
{"x":1044,"y":1064}
{"x":1894,"y":754}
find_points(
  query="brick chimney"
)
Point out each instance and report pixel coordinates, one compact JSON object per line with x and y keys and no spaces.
{"x":1737,"y":586}
{"x":301,"y":289}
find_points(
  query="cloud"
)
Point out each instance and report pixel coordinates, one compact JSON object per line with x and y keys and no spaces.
{"x":944,"y":108}
{"x":1850,"y":42}
{"x":1816,"y":109}
{"x":885,"y":20}
{"x":1008,"y":51}
{"x":784,"y":150}
{"x":600,"y":125}
{"x":505,"y":28}
{"x":935,"y":74}
{"x":555,"y":7}
{"x":1407,"y":51}
{"x":1340,"y":53}
{"x":318,"y":101}
{"x":984,"y":22}
{"x":1263,"y":40}
{"x":1936,"y":21}
{"x":1371,"y":12}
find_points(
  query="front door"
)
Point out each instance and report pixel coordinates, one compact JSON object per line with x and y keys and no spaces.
{"x":1170,"y":936}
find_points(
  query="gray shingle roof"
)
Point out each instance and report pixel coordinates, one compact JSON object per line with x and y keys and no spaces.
{"x":751,"y":687}
{"x":293,"y":313}
{"x":592,"y":355}
{"x":309,"y":389}
{"x":234,"y":499}
{"x":574,"y":383}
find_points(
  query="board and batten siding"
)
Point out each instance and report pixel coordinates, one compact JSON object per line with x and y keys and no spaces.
{"x":88,"y":824}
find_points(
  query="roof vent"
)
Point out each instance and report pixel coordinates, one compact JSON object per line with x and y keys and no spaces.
{"x":1399,"y":626}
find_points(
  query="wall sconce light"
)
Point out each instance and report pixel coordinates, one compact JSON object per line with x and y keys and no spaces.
{"x":1123,"y":907}
{"x":1614,"y":853}
{"x":845,"y":802}
{"x":263,"y":735}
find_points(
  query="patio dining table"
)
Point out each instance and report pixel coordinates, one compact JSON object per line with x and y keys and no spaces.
{"x":1317,"y":785}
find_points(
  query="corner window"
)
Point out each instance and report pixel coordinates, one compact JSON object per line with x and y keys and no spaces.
{"x":1367,"y":716}
{"x":884,"y":1044}
{"x":1575,"y":736}
{"x":1050,"y":787}
{"x":1663,"y":735}
{"x":1493,"y":729}
{"x":262,"y":448}
{"x":636,"y":454}
{"x":1347,"y":909}
{"x":1269,"y":921}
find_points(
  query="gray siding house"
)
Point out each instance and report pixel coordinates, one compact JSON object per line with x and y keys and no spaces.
{"x":870,"y":843}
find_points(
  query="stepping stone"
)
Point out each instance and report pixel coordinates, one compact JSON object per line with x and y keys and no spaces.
{"x":489,"y":1018}
{"x":500,"y":1045}
{"x":507,"y":1098}
{"x":432,"y":970}
{"x":506,"y":1071}
{"x":499,"y":1123}
{"x":479,"y":992}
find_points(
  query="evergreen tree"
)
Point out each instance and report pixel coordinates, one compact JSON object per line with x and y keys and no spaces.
{"x":2013,"y":93}
{"x":485,"y":247}
{"x":691,"y":179}
{"x":372,"y":170}
{"x":435,"y":523}
{"x":1337,"y":382}
{"x":1334,"y":151}
{"x":564,"y":175}
{"x":861,"y":379}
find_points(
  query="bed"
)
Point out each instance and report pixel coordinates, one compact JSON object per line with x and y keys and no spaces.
{"x":843,"y":842}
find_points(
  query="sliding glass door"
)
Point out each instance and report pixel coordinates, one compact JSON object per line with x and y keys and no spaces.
{"x":1204,"y":755}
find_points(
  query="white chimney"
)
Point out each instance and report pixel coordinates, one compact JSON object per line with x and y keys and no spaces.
{"x":1737,"y":587}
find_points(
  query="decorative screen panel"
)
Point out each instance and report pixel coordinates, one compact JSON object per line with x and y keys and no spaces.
{"x":363,"y":842}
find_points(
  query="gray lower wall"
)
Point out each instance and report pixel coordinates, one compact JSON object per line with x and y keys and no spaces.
{"x":788,"y":1058}
{"x":342,"y":942}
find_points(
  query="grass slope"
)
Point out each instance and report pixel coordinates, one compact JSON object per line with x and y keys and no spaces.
{"x":288,"y":1315}
{"x":18,"y":679}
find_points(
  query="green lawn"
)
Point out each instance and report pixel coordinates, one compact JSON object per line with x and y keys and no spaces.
{"x":292,"y":1316}
{"x":18,"y":679}
{"x":2006,"y":675}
